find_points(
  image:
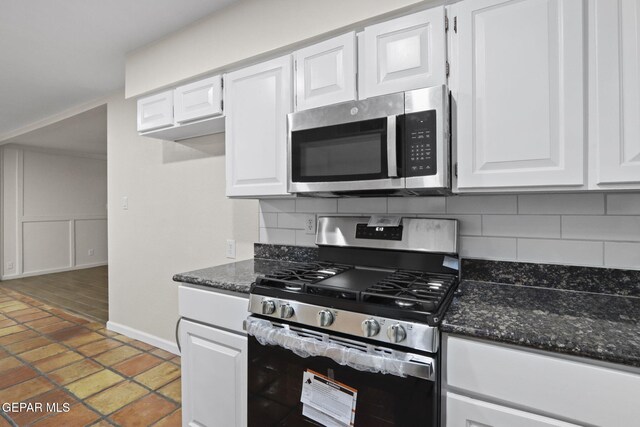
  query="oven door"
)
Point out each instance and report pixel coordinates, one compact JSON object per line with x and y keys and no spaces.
{"x":393,"y":388}
{"x":352,"y":146}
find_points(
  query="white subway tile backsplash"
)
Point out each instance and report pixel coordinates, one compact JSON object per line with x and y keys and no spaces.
{"x":277,"y":236}
{"x":560,"y":251}
{"x":304,"y":239}
{"x":622,"y":228}
{"x":567,"y":204}
{"x":277,"y":205}
{"x":268,"y":219}
{"x":482,"y":204}
{"x":495,"y":248}
{"x":623,"y":204}
{"x":469,"y":225}
{"x":291,"y":220}
{"x":521,"y":225}
{"x":309,"y":205}
{"x":363,"y":205}
{"x":622,"y":255}
{"x":417,"y":205}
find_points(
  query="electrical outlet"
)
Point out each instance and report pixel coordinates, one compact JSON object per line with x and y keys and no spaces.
{"x":310,"y":224}
{"x":90,"y":252}
{"x":231,"y":248}
{"x":10,"y":265}
{"x":125,"y":203}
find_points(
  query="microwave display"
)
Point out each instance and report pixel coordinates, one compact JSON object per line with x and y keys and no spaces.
{"x":421,"y":156}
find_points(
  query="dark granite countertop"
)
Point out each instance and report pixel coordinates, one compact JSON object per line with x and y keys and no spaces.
{"x":598,"y":326}
{"x":236,"y":276}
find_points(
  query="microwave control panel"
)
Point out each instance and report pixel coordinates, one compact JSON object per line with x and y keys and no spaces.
{"x":420,"y":137}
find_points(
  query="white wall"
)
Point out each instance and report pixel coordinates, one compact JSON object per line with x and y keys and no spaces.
{"x":178,"y":219}
{"x":595,"y":229}
{"x":245,"y":29}
{"x":54,"y":211}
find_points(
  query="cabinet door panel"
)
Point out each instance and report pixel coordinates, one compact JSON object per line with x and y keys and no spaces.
{"x":156,"y":111}
{"x":466,"y":412}
{"x":403,"y":54}
{"x":615,"y":113}
{"x":326,"y":72}
{"x":198,"y":100}
{"x":520,"y":99}
{"x":258,"y":101}
{"x":214,"y":376}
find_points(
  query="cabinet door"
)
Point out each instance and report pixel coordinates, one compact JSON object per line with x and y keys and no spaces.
{"x":403,"y":54}
{"x":156,"y":111}
{"x":258,"y":100}
{"x":466,"y":412}
{"x":325,"y":73}
{"x":214,"y":376}
{"x":615,"y":95}
{"x":198,"y":100}
{"x":520,"y":96}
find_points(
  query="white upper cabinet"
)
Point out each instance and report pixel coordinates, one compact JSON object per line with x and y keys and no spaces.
{"x":403,"y":54}
{"x":258,"y":99}
{"x":325,"y":73}
{"x":198,"y":100}
{"x":156,"y":111}
{"x":520,"y":97}
{"x":615,"y":94}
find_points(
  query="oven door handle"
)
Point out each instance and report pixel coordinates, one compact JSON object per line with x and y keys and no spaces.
{"x":307,"y":343}
{"x":392,"y":154}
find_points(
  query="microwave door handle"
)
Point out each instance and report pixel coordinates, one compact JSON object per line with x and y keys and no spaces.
{"x":392,"y":155}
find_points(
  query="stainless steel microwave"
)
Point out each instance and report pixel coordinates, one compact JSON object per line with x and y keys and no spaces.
{"x":394,"y":144}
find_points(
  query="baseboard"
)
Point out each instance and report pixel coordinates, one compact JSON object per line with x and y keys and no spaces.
{"x":54,"y":270}
{"x":153,"y":340}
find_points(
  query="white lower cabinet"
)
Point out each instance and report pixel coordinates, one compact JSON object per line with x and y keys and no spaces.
{"x":214,"y":376}
{"x":495,"y":385}
{"x":464,"y":411}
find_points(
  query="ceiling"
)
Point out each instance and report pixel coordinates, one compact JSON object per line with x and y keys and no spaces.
{"x":56,"y":55}
{"x":85,"y":132}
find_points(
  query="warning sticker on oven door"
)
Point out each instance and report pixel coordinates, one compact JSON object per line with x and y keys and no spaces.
{"x":326,"y":401}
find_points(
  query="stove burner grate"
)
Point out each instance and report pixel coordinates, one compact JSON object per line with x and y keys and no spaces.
{"x":295,"y":278}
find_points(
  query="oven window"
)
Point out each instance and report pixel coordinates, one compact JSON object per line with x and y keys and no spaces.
{"x":347,"y":152}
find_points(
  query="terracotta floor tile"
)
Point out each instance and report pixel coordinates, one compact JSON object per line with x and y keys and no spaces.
{"x":144,"y":412}
{"x":105,"y":331}
{"x":159,"y":376}
{"x":7,"y":322}
{"x":102,"y":423}
{"x":25,"y":390}
{"x":116,"y":397}
{"x":54,"y":327}
{"x":162,"y":353}
{"x":45,"y":321}
{"x":176,"y":360}
{"x":137,"y":364}
{"x":83,"y":339}
{"x":14,"y":307}
{"x":23,"y":318}
{"x":58,"y":361}
{"x":116,"y":355}
{"x":71,"y":317}
{"x":79,"y":415}
{"x":75,"y":371}
{"x":27,"y":345}
{"x":98,"y":347}
{"x":9,"y":363}
{"x":42,"y":352}
{"x":11,"y":330}
{"x":141,"y":345}
{"x":57,"y":396}
{"x":173,"y":420}
{"x":4,"y":423}
{"x":94,"y":383}
{"x":3,"y":354}
{"x":20,"y":336}
{"x":94,"y":326}
{"x":67,"y":333}
{"x":172,"y":390}
{"x":24,"y":312}
{"x":16,"y":375}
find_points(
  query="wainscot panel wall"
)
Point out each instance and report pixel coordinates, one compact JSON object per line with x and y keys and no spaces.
{"x":54,"y":211}
{"x":601,"y":230}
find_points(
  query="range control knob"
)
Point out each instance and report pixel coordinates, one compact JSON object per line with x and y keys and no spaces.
{"x":268,"y":307}
{"x":325,"y":318}
{"x":370,"y":327}
{"x":286,"y":311}
{"x":396,"y":333}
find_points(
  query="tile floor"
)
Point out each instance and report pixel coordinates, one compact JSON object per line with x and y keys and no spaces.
{"x":48,"y":355}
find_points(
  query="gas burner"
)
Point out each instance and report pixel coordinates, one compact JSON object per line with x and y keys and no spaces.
{"x":404,"y":304}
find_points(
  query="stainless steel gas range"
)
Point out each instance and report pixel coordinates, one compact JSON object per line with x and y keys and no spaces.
{"x":353,"y":339}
